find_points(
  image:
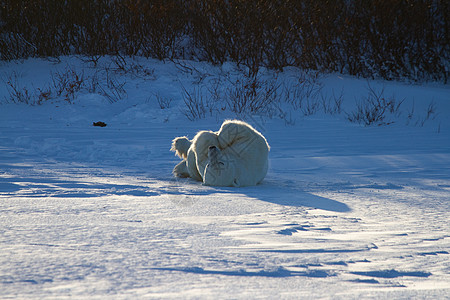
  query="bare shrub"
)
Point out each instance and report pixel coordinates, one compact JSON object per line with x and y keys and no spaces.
{"x":374,"y":108}
{"x":430,"y":114}
{"x":251,"y":95}
{"x":163,"y":102}
{"x":44,"y":95}
{"x":91,"y":59}
{"x":303,"y":94}
{"x":20,"y":94}
{"x":68,"y":82}
{"x":419,"y":119}
{"x":155,"y":28}
{"x":431,"y":110}
{"x":93,"y":82}
{"x":394,"y":39}
{"x":285,"y":115}
{"x":17,"y":93}
{"x":215,"y":91}
{"x":128,"y":66}
{"x":196,"y":104}
{"x":332,"y":104}
{"x":114,"y":89}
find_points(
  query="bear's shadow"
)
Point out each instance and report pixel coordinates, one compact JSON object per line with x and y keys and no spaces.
{"x":273,"y":191}
{"x":289,"y":194}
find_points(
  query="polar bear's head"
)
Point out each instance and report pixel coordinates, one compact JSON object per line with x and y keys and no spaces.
{"x":220,"y":170}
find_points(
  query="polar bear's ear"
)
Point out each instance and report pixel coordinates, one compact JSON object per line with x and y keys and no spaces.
{"x":236,"y":183}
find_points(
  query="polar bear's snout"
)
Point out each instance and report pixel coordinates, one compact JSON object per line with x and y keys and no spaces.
{"x":213,"y":154}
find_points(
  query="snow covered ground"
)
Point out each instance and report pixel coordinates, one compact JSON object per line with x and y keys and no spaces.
{"x":346,"y":211}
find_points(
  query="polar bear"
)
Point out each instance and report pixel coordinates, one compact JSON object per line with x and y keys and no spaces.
{"x":237,"y":155}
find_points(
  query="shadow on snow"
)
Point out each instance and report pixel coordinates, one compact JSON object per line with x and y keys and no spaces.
{"x":279,"y":273}
{"x":275,"y":192}
{"x":291,"y":195}
{"x":268,"y":191}
{"x":52,"y":187}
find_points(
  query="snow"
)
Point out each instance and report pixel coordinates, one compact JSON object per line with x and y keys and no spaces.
{"x":346,"y":211}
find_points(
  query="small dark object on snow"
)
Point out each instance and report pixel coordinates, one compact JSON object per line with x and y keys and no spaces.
{"x":100,"y":124}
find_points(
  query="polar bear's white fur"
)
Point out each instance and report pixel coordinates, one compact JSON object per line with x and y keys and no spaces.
{"x":237,"y":155}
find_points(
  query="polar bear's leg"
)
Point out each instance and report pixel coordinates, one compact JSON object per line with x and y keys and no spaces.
{"x":181,"y":146}
{"x":191,"y":164}
{"x":200,"y":145}
{"x":237,"y":136}
{"x":181,"y":170}
{"x":233,"y":132}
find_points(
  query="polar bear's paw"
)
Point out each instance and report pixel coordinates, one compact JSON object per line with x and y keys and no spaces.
{"x":181,"y":170}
